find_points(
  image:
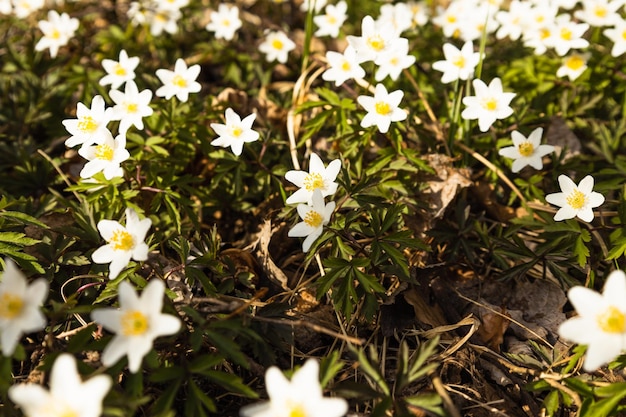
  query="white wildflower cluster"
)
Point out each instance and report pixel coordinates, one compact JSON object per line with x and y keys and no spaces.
{"x":314,"y":185}
{"x":225,"y":22}
{"x":159,"y":15}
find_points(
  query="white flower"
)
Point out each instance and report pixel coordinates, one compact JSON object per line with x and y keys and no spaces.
{"x":512,"y":20}
{"x":343,"y":67}
{"x":118,"y":72}
{"x":332,"y":20}
{"x":399,"y":16}
{"x":392,"y":63}
{"x":6,"y":7}
{"x":573,"y":65}
{"x":171,"y":4}
{"x":526,"y":151}
{"x":459,"y":63}
{"x":235,"y":132}
{"x":179,"y":82}
{"x":601,"y":321}
{"x":163,"y":20}
{"x":19,"y":306}
{"x":57,"y":31}
{"x":136,"y":323}
{"x":105,"y":156}
{"x":375,"y":39}
{"x":302,"y":396}
{"x":488,"y":105}
{"x":317,"y":5}
{"x":382,"y":109}
{"x":568,"y":34}
{"x":575,"y":200}
{"x":319,"y":177}
{"x":89,"y":125}
{"x":419,"y":12}
{"x":131,"y":106}
{"x":224,"y":22}
{"x":68,"y":394}
{"x":123,"y":243}
{"x":276,"y":47}
{"x":599,"y":12}
{"x":314,"y":218}
{"x":618,"y":35}
{"x":23,"y":8}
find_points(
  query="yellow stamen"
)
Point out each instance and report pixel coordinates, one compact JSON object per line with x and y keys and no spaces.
{"x":574,"y":62}
{"x":459,"y":61}
{"x":122,"y":240}
{"x":544,"y":33}
{"x":278,"y":44}
{"x":226,"y":22}
{"x":236,"y":131}
{"x":490,"y":104}
{"x":55,"y":34}
{"x":119,"y":70}
{"x":331,"y":19}
{"x":313,"y":181}
{"x":297,"y":411}
{"x":376,"y":43}
{"x":346,"y":66}
{"x":131,"y":107}
{"x":624,"y":34}
{"x":600,"y":11}
{"x":612,"y":320}
{"x":10,"y":305}
{"x":87,"y":124}
{"x":451,"y":18}
{"x":134,"y":323}
{"x":566,"y":34}
{"x":313,"y":219}
{"x":526,"y":149}
{"x":104,"y":152}
{"x":382,"y":108}
{"x":576,"y":200}
{"x":179,"y":81}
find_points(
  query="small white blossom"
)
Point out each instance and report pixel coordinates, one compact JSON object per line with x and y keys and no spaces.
{"x":601,"y":321}
{"x":573,"y":65}
{"x":332,"y":20}
{"x":163,"y":20}
{"x":19,"y":306}
{"x":179,"y":82}
{"x":136,"y":323}
{"x":314,"y":218}
{"x":459,"y":63}
{"x":382,"y":109}
{"x":489,"y":104}
{"x":392,"y":63}
{"x":617,"y":34}
{"x":123,"y":243}
{"x":131,"y":106}
{"x":235,"y":132}
{"x":567,"y":35}
{"x":105,"y":156}
{"x":343,"y":67}
{"x":23,"y":8}
{"x":575,"y":200}
{"x":302,"y":396}
{"x":224,"y":22}
{"x":119,"y":72}
{"x":317,"y":5}
{"x":526,"y":151}
{"x":57,"y":31}
{"x":276,"y":47}
{"x":599,"y":12}
{"x":399,"y":16}
{"x":90,"y":123}
{"x":319,"y":177}
{"x":375,"y":39}
{"x":68,"y":394}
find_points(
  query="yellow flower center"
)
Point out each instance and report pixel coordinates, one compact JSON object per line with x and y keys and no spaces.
{"x":313,"y":181}
{"x":451,"y":18}
{"x":226,"y":22}
{"x":179,"y":81}
{"x":297,"y":411}
{"x":576,"y":200}
{"x":382,"y":108}
{"x":624,"y":34}
{"x":544,"y":33}
{"x":134,"y":323}
{"x":313,"y":219}
{"x":131,"y":107}
{"x":55,"y":34}
{"x":345,"y":66}
{"x":236,"y":131}
{"x":10,"y":305}
{"x":119,"y":70}
{"x":612,"y":320}
{"x":376,"y":43}
{"x":393,"y":61}
{"x":331,"y":19}
{"x":459,"y":61}
{"x":122,"y":240}
{"x":490,"y":104}
{"x":574,"y":62}
{"x":600,"y":11}
{"x":104,"y":152}
{"x":526,"y":149}
{"x":87,"y":124}
{"x":566,"y":34}
{"x":277,"y":44}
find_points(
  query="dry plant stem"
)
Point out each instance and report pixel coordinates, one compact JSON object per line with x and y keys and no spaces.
{"x":574,"y":395}
{"x":511,"y":319}
{"x":77,"y":316}
{"x":495,"y":169}
{"x":487,"y":406}
{"x":312,"y":326}
{"x":447,"y":401}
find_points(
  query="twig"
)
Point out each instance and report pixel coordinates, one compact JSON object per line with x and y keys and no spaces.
{"x":447,"y":401}
{"x":313,"y":327}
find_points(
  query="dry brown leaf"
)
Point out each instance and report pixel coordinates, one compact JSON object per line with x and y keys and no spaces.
{"x":562,"y":138}
{"x":491,"y":332}
{"x":273,"y":272}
